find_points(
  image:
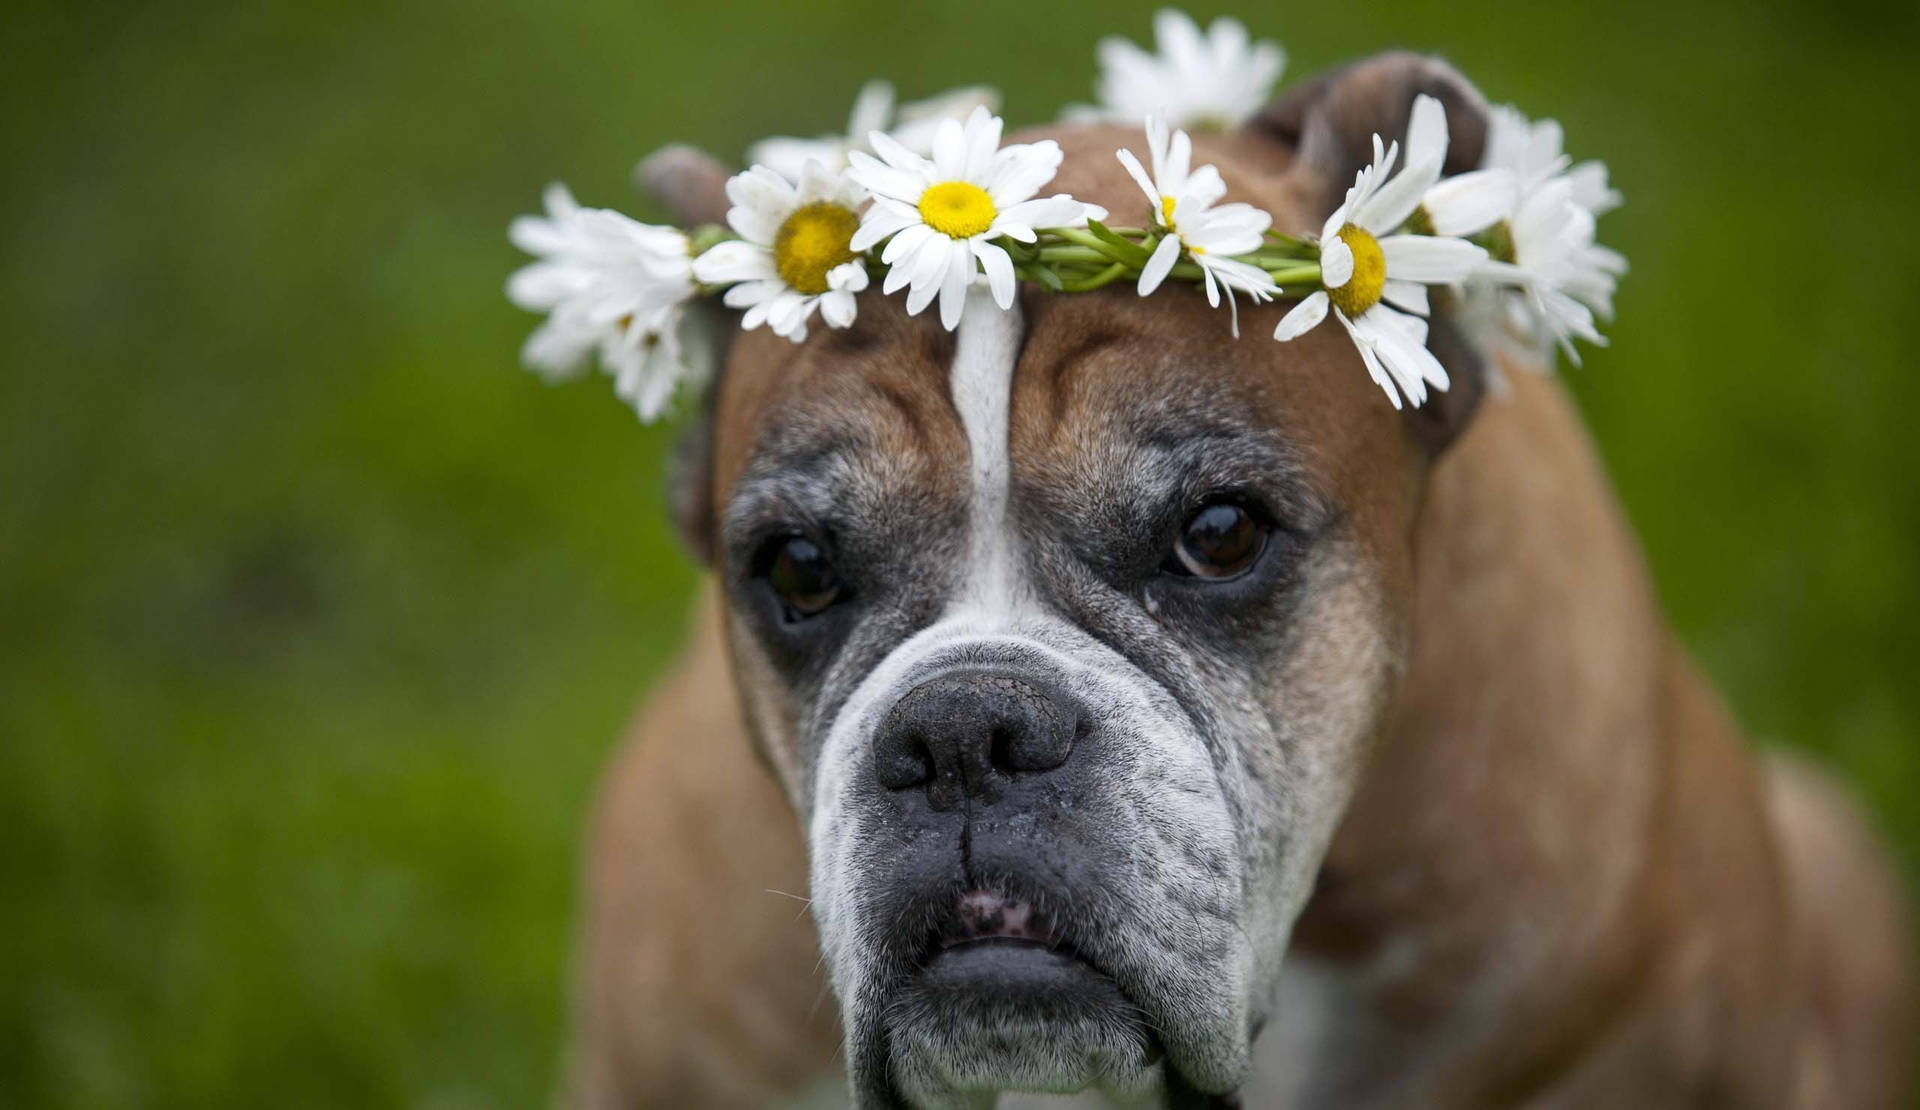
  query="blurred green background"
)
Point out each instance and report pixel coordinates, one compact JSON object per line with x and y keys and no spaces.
{"x":317,"y":616}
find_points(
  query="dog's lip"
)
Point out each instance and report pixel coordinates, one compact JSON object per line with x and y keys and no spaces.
{"x":984,"y":916}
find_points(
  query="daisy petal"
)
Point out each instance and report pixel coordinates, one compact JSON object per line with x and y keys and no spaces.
{"x":848,"y":277}
{"x":557,"y":352}
{"x":870,"y":108}
{"x":1303,"y":317}
{"x":999,"y":268}
{"x":895,"y":154}
{"x":1017,"y":172}
{"x":734,"y":261}
{"x":1379,"y":374}
{"x":950,"y":151}
{"x":1590,"y":188}
{"x":1157,"y":267}
{"x":953,"y":287}
{"x":983,"y":142}
{"x":1059,"y":210}
{"x":906,"y":242}
{"x":837,"y":308}
{"x":1410,"y":295}
{"x":920,"y":296}
{"x":1393,"y":202}
{"x":1336,"y":262}
{"x":885,"y":217}
{"x":1371,"y":359}
{"x":1410,"y":363}
{"x":1469,"y":203}
{"x":883,"y":180}
{"x":1430,"y":259}
{"x":1140,"y":178}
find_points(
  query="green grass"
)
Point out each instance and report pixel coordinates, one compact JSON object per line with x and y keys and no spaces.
{"x":317,"y":616}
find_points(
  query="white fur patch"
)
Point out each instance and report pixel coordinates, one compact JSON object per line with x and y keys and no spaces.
{"x":986,"y":347}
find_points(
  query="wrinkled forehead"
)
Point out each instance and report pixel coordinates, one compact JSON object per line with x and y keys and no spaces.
{"x":1100,"y":381}
{"x":1108,"y":382}
{"x":871,"y":400}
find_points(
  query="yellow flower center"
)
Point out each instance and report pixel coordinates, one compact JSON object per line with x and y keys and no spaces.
{"x":1362,"y":290}
{"x":957,"y":209}
{"x":1167,"y":204}
{"x":812,"y":241}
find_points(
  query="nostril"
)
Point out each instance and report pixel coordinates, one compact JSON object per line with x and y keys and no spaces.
{"x":1000,"y":749}
{"x":905,"y":761}
{"x":1044,"y":748}
{"x":1040,"y":739}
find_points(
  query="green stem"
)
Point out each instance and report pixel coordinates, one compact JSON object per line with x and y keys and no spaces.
{"x":1296,"y":275}
{"x":1287,"y":241}
{"x":1136,"y":257}
{"x":1020,"y":252}
{"x":1076,"y":254}
{"x":1104,"y":277}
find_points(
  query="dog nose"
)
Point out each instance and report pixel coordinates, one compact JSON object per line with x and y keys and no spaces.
{"x":961,"y":735}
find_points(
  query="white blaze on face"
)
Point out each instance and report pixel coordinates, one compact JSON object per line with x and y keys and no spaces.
{"x":986,"y":347}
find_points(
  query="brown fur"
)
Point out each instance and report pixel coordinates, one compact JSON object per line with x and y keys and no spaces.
{"x":1565,"y":881}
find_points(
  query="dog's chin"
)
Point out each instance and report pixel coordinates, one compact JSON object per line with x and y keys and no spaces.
{"x":1014,"y":1014}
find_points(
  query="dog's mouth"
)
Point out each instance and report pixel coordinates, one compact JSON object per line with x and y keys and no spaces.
{"x":1003,"y":998}
{"x":1007,"y":946}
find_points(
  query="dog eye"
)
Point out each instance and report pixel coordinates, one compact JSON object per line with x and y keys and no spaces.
{"x":800,"y":572}
{"x":1218,"y":542}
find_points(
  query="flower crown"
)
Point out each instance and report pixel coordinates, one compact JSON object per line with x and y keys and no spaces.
{"x":929,"y":200}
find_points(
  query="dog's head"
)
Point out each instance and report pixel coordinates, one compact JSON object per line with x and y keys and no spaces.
{"x":1067,"y":633}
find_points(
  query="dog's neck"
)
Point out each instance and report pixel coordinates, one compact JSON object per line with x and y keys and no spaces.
{"x":1525,"y":845}
{"x":1527,"y":587}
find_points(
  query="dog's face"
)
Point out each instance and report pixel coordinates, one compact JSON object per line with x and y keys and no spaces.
{"x":1066,"y":634}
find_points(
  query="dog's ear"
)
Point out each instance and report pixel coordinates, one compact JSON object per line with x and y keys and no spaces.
{"x":692,"y":186}
{"x":688,"y":181}
{"x":690,"y":473}
{"x":1330,"y":122}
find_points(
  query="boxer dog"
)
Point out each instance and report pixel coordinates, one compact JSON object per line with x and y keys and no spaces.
{"x":1150,"y":713}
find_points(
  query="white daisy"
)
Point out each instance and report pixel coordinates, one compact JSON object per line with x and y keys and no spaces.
{"x":1183,"y":204}
{"x":794,"y":254}
{"x":1559,"y":277}
{"x":1216,"y":81}
{"x":1462,"y":205}
{"x":872,"y":111}
{"x":608,"y":283}
{"x":1374,"y":280}
{"x":1533,"y":150}
{"x":943,"y":213}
